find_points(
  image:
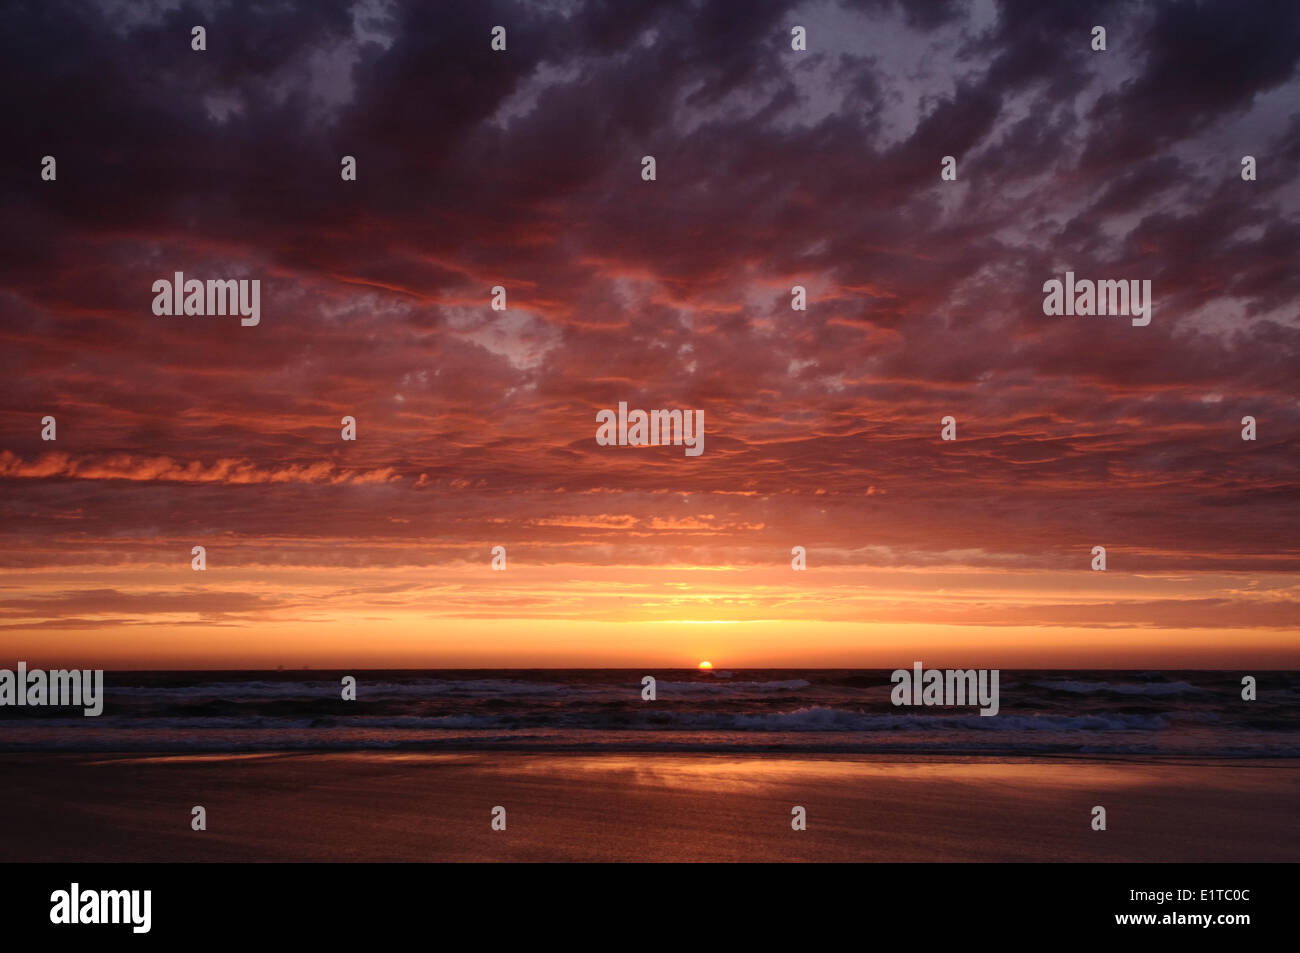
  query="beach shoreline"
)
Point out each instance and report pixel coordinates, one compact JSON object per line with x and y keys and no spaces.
{"x":639,"y":806}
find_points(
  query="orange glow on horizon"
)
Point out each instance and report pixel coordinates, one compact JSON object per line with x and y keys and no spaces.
{"x":461,"y":615}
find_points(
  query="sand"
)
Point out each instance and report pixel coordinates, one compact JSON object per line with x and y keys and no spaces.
{"x":641,"y":807}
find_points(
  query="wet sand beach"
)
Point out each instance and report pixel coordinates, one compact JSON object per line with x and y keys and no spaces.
{"x":373,"y":806}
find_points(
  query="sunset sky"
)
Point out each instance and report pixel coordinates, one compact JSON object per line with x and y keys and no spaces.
{"x":476,"y":428}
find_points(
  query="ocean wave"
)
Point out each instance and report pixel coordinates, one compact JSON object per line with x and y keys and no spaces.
{"x":1142,"y":688}
{"x":819,"y":718}
{"x":329,"y":688}
{"x":732,"y":688}
{"x":252,"y":691}
{"x":810,"y":718}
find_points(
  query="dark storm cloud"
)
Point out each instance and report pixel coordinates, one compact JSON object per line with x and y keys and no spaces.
{"x":774,"y":168}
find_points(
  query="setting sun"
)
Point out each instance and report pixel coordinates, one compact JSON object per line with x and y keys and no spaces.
{"x":704,"y":665}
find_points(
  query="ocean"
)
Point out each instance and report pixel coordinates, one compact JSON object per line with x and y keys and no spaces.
{"x":1182,"y":713}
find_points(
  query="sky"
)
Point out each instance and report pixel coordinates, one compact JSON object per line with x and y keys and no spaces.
{"x":476,"y":427}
